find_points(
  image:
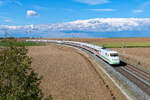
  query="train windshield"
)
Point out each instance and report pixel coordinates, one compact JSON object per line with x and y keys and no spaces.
{"x":113,"y":54}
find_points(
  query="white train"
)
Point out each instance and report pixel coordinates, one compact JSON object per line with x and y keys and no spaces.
{"x":110,"y":56}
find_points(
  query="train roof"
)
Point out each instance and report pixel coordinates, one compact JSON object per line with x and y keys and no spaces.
{"x":97,"y":47}
{"x":86,"y":44}
{"x":81,"y":43}
{"x":109,"y":50}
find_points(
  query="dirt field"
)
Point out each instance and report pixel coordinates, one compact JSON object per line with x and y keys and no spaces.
{"x":68,"y":74}
{"x":137,"y":56}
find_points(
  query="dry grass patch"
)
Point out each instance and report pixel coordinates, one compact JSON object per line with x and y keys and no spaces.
{"x":137,"y":56}
{"x":67,"y":75}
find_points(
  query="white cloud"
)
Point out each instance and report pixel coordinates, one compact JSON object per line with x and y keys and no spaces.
{"x":10,"y":2}
{"x":18,"y":3}
{"x":92,"y":25}
{"x":105,"y":25}
{"x":137,"y":11}
{"x":142,"y":7}
{"x":31,"y":13}
{"x":93,"y":2}
{"x":6,"y":19}
{"x":101,"y":10}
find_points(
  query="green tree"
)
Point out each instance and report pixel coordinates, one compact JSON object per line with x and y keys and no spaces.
{"x":17,"y":79}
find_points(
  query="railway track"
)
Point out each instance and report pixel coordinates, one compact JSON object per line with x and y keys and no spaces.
{"x":136,"y":70}
{"x":134,"y":74}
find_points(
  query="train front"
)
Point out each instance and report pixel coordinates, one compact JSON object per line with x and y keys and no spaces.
{"x":114,"y":57}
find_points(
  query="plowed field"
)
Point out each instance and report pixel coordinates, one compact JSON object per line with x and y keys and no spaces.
{"x":137,"y":56}
{"x":68,"y":74}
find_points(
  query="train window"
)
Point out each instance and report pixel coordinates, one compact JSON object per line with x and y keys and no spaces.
{"x":113,"y":54}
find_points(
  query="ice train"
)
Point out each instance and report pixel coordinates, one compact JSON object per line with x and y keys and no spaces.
{"x":108,"y":55}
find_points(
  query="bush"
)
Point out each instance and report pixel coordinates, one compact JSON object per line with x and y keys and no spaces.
{"x":17,"y":79}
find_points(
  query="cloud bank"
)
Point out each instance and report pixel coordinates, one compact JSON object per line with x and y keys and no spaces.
{"x":105,"y":25}
{"x":98,"y":26}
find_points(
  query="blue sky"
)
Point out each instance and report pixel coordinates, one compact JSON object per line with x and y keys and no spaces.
{"x":75,"y":18}
{"x":24,"y":12}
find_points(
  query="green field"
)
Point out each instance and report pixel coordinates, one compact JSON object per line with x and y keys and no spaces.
{"x":7,"y":43}
{"x":124,"y":44}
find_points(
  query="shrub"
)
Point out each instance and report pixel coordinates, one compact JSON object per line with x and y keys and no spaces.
{"x":17,"y":79}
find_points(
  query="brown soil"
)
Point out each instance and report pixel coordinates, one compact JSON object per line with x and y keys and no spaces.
{"x":68,"y":74}
{"x":137,"y":56}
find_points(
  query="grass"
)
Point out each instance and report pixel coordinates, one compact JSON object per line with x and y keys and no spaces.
{"x":20,"y":43}
{"x":125,"y":44}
